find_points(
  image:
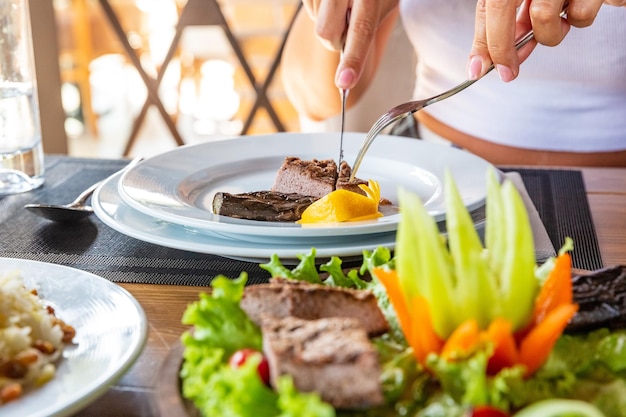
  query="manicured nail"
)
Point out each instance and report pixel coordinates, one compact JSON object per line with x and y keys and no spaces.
{"x":345,"y":78}
{"x":505,"y":73}
{"x":474,"y":68}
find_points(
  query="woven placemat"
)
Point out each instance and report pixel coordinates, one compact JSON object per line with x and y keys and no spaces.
{"x":561,"y":200}
{"x":92,"y":246}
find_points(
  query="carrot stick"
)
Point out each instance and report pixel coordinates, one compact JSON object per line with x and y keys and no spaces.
{"x":463,"y":340}
{"x":424,"y":340}
{"x":505,"y":352}
{"x":389,"y":279}
{"x":537,"y":345}
{"x":414,"y":319}
{"x":556,"y":290}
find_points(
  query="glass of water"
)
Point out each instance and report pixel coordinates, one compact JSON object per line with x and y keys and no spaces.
{"x":21,"y":150}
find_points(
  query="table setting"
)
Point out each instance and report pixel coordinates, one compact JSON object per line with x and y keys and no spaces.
{"x":161,"y":254}
{"x":125,"y":292}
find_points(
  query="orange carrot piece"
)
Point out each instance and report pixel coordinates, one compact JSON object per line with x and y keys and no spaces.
{"x":463,"y":340}
{"x":537,"y":345}
{"x":505,"y":352}
{"x":414,"y":319}
{"x":556,"y":290}
{"x":391,"y":282}
{"x":424,"y":340}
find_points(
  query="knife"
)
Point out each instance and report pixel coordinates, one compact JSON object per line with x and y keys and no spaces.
{"x":344,"y":97}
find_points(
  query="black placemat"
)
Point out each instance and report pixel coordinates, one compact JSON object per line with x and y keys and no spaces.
{"x":92,"y":246}
{"x":561,"y":200}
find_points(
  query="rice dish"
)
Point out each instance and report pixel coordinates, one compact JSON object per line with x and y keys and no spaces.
{"x":32,"y":338}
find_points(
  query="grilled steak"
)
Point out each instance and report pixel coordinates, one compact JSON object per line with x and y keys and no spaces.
{"x":282,"y":298}
{"x":298,"y":183}
{"x":262,"y":205}
{"x":332,"y":357}
{"x":314,"y":178}
{"x":343,"y":180}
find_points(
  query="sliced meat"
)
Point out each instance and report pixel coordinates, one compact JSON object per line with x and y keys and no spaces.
{"x":332,"y":357}
{"x":282,"y":298}
{"x":344,"y":183}
{"x":262,"y":205}
{"x":343,"y":180}
{"x":314,"y":178}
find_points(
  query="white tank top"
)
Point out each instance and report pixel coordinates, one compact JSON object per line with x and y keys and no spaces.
{"x":569,"y":97}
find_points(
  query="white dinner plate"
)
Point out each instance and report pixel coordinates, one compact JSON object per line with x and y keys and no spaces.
{"x":111,"y":331}
{"x":113,"y":211}
{"x":178,"y":186}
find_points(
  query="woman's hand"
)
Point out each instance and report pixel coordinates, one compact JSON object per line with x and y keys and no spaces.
{"x":499,"y":23}
{"x":333,"y":29}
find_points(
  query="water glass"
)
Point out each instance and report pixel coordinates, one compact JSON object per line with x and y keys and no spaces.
{"x":21,"y":150}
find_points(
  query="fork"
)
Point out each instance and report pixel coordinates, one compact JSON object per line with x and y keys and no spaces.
{"x":406,"y":109}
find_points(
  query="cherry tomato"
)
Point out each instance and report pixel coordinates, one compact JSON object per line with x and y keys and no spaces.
{"x":242,"y":355}
{"x":486,"y":411}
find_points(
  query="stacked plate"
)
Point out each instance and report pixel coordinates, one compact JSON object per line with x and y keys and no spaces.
{"x":167,"y":199}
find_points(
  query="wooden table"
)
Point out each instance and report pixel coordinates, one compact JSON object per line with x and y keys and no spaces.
{"x":164,"y":304}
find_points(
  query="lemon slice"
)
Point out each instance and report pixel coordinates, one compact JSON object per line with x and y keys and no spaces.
{"x":344,"y":206}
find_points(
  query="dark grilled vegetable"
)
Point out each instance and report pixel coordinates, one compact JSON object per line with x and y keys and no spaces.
{"x":262,"y":205}
{"x":601,"y":296}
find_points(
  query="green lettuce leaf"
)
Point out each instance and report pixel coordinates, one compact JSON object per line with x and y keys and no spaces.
{"x":295,"y":404}
{"x":304,"y":271}
{"x":218,"y":319}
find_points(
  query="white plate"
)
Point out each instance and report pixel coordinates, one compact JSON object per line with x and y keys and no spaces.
{"x":114,"y":212}
{"x":178,"y":186}
{"x":111,"y":331}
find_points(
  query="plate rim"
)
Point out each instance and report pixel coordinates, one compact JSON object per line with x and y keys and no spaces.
{"x":260,"y":252}
{"x":104,"y":381}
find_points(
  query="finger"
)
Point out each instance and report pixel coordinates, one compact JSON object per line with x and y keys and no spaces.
{"x":330,"y":24}
{"x":522,"y":27}
{"x":583,"y":13}
{"x":500,"y":24}
{"x":364,"y":19}
{"x":548,"y":26}
{"x":479,"y":58}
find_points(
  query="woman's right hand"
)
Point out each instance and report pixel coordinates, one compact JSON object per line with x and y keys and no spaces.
{"x":332,"y":29}
{"x":499,"y":23}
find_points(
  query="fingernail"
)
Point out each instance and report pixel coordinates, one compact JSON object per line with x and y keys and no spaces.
{"x":345,"y":78}
{"x":474,"y":68}
{"x":504,"y":73}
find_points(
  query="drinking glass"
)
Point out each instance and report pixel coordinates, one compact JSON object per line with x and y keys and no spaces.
{"x":21,"y":150}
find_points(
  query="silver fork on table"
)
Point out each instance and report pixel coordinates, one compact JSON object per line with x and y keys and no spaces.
{"x":406,"y":109}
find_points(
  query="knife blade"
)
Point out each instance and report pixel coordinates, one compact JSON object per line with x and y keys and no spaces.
{"x":344,"y":97}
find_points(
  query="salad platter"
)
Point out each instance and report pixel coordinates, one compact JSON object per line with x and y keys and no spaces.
{"x":543,"y":344}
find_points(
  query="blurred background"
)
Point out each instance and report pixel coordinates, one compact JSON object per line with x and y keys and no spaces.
{"x":204,"y":89}
{"x":213,"y":67}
